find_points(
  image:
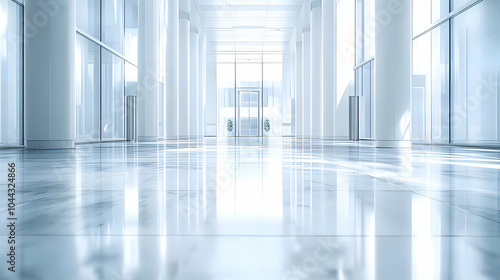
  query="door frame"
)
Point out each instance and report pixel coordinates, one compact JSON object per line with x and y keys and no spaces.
{"x":238,"y":106}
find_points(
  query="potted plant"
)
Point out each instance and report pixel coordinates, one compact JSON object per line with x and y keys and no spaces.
{"x":229,"y":125}
{"x":267,"y":125}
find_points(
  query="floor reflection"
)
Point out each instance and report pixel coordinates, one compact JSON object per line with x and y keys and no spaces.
{"x":253,"y":208}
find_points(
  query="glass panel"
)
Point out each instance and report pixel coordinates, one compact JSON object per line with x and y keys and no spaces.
{"x":345,"y":64}
{"x":440,"y":84}
{"x":457,"y":4}
{"x":359,"y":32}
{"x":226,"y":104}
{"x":372,"y":97}
{"x":248,"y":113}
{"x":359,"y":82}
{"x":421,"y":15}
{"x":365,"y":101}
{"x":113,"y":101}
{"x":112,"y":24}
{"x":249,"y":71}
{"x":421,"y":88}
{"x":87,"y":81}
{"x":426,"y":12}
{"x":476,"y":74}
{"x":162,"y":50}
{"x":272,"y":101}
{"x":440,"y":9}
{"x":249,"y":76}
{"x":369,"y":29}
{"x":131,"y":80}
{"x":11,"y":76}
{"x":131,"y":30}
{"x":288,"y":88}
{"x":88,"y":17}
{"x":161,"y":111}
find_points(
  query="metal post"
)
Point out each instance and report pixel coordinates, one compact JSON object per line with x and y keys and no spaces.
{"x":354,"y":118}
{"x":131,"y":118}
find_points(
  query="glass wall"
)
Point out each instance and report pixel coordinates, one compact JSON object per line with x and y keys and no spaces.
{"x":430,"y":93}
{"x":365,"y":30}
{"x":106,"y":71}
{"x":364,"y":82}
{"x":112,"y":99}
{"x":272,"y":97}
{"x":250,"y":95}
{"x":346,"y":59}
{"x":11,"y":74}
{"x":365,"y":91}
{"x":226,"y":104}
{"x":466,"y":112}
{"x":88,"y":77}
{"x":428,"y":11}
{"x":475,"y":74}
{"x":113,"y":24}
{"x":162,"y":66}
{"x":89,"y":17}
{"x":131,"y":30}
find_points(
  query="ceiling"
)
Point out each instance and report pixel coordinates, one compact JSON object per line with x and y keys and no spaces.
{"x":249,"y":25}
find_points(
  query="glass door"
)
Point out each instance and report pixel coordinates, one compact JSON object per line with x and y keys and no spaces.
{"x":248,"y":112}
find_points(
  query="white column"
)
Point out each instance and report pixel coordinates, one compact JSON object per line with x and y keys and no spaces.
{"x":211,"y":95}
{"x":306,"y":82}
{"x":392,"y":73}
{"x":193,"y":98}
{"x":316,"y":76}
{"x":329,"y":9}
{"x":172,"y":79}
{"x":147,"y":113}
{"x":202,"y":58}
{"x":298,"y":90}
{"x":50,"y":108}
{"x":184,"y":65}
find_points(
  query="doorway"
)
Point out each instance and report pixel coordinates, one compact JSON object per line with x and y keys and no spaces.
{"x":248,"y":112}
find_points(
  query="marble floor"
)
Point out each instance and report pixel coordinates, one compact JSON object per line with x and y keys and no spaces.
{"x":253,"y":208}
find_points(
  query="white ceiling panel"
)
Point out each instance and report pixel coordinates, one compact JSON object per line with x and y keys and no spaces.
{"x":249,"y":25}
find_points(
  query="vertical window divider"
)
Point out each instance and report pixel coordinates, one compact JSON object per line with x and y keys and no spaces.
{"x":22,"y":77}
{"x":124,"y":105}
{"x":100,"y":71}
{"x":450,"y":83}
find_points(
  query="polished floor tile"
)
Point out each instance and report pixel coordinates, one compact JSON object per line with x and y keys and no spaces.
{"x":253,"y":208}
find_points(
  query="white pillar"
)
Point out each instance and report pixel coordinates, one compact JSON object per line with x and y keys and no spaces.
{"x":147,"y":113}
{"x":172,"y":79}
{"x":392,"y":73}
{"x":193,"y":98}
{"x":202,"y":58}
{"x":306,"y":82}
{"x":329,"y":9}
{"x":211,"y":96}
{"x":316,"y":76}
{"x":298,"y":90}
{"x":184,"y":65}
{"x":50,"y":108}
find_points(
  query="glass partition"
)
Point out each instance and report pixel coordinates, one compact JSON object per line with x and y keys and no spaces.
{"x":11,"y":74}
{"x":475,"y":74}
{"x":112,"y":98}
{"x":131,"y":50}
{"x":113,"y":24}
{"x":250,"y":95}
{"x":226,"y":103}
{"x":272,"y":96}
{"x":88,"y":66}
{"x":89,"y":17}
